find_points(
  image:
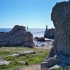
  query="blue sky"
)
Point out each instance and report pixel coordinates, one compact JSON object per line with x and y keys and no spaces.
{"x":32,"y":13}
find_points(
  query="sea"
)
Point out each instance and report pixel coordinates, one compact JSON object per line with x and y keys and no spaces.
{"x":37,"y":32}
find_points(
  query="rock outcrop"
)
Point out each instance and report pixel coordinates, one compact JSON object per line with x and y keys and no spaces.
{"x":49,"y":33}
{"x":40,"y":39}
{"x":61,"y":19}
{"x":18,"y":36}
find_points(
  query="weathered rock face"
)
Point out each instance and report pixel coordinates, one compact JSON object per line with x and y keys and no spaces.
{"x":49,"y":33}
{"x":61,"y":19}
{"x":18,"y":36}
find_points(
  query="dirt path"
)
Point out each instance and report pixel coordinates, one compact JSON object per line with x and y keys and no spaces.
{"x":33,"y":67}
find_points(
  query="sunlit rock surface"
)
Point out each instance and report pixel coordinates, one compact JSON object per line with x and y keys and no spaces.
{"x":18,"y":36}
{"x":61,"y":20}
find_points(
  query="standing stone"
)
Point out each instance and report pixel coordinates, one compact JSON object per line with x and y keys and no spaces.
{"x":61,"y":19}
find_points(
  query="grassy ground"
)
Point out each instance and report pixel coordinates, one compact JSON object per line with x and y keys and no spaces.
{"x":38,"y":57}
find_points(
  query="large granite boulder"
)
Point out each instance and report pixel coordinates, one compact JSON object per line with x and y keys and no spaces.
{"x":61,"y":19}
{"x":18,"y":36}
{"x":49,"y":33}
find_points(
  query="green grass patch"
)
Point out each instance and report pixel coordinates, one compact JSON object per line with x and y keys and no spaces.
{"x":38,"y":57}
{"x":11,"y":66}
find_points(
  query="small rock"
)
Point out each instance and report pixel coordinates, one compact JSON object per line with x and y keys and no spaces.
{"x":41,"y":39}
{"x":14,"y":55}
{"x":4,"y":62}
{"x":26,"y":63}
{"x":26,"y":52}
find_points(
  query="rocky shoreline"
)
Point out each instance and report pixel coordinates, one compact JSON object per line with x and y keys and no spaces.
{"x":19,"y":36}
